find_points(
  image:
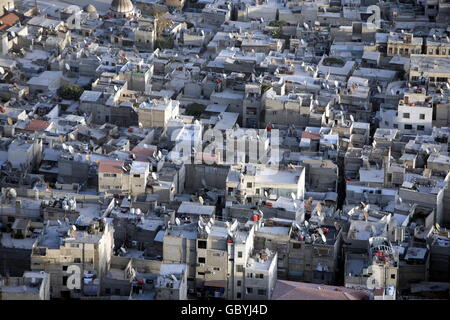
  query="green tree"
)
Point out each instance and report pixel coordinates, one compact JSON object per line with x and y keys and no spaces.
{"x":70,"y":91}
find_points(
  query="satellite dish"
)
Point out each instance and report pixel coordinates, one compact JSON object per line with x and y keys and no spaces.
{"x":306,"y":223}
{"x":173,"y":277}
{"x":74,"y":228}
{"x":123,"y":250}
{"x":200,"y":199}
{"x":67,"y":67}
{"x":266,"y":194}
{"x":177,"y":221}
{"x":293,"y":196}
{"x":9,"y":121}
{"x":154,"y":176}
{"x":351,"y":118}
{"x":207,"y":229}
{"x":2,"y":71}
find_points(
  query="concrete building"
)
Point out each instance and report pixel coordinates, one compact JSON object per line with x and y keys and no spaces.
{"x":112,"y":177}
{"x":32,"y":286}
{"x":139,"y":173}
{"x":404,"y":44}
{"x":82,"y":250}
{"x":254,"y":183}
{"x":171,"y":283}
{"x":157,"y":113}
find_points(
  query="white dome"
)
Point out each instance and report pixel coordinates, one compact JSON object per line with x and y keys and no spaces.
{"x":122,"y":6}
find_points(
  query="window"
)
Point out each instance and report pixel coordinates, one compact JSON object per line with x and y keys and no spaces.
{"x":249,"y":275}
{"x":249,"y":290}
{"x":239,"y":268}
{"x":408,"y":126}
{"x":201,"y":260}
{"x":137,"y":175}
{"x":108,"y":291}
{"x":422,"y":116}
{"x":238,"y":296}
{"x":201,"y":244}
{"x":239,"y":254}
{"x":112,"y":175}
{"x":77,"y":260}
{"x":420,"y":128}
{"x":64,"y":268}
{"x":262,"y":292}
{"x":74,"y":245}
{"x":239,"y":283}
{"x":65,"y":280}
{"x":296,"y":246}
{"x":249,"y":184}
{"x":323,"y":251}
{"x":393,"y":276}
{"x":406,"y":115}
{"x":117,"y":292}
{"x":257,"y":191}
{"x":201,"y":273}
{"x":259,"y":276}
{"x":216,"y":269}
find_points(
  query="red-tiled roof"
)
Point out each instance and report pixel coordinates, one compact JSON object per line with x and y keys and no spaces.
{"x":111,"y":166}
{"x":37,"y":125}
{"x":8,"y":20}
{"x":290,"y":290}
{"x":310,"y":135}
{"x":142,"y":154}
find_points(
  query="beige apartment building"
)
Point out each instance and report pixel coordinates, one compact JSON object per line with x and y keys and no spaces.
{"x":112,"y":176}
{"x":156,"y":113}
{"x":78,"y":255}
{"x":252,"y":183}
{"x":403,"y":44}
